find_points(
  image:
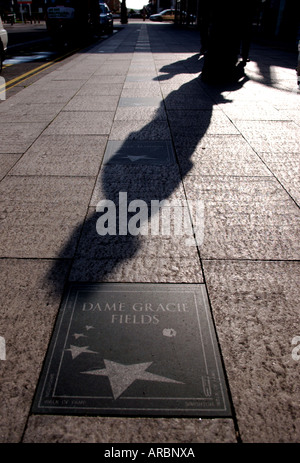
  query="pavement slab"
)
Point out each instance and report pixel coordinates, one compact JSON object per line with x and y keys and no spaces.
{"x":81,"y":123}
{"x":63,"y":155}
{"x":134,"y":430}
{"x":252,"y":301}
{"x":7,"y":161}
{"x":26,"y":287}
{"x":23,"y":135}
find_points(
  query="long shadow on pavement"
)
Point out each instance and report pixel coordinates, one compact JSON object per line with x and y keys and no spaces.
{"x":180,"y":123}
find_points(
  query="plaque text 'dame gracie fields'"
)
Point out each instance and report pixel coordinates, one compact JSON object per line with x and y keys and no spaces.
{"x":133,"y":349}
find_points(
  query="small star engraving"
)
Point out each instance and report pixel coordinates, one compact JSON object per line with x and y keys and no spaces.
{"x":79,"y":335}
{"x":77,"y":350}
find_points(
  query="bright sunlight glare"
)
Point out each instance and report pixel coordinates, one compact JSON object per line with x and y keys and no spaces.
{"x":135,"y":4}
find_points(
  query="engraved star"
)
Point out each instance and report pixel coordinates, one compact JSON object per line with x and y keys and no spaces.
{"x":79,"y":335}
{"x":122,"y":376}
{"x":77,"y":350}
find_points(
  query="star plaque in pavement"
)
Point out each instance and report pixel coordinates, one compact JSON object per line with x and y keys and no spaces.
{"x":134,"y":349}
{"x":122,"y":376}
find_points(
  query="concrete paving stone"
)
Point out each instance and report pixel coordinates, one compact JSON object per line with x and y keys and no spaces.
{"x":171,"y":56}
{"x":65,"y":191}
{"x":39,"y":231}
{"x":258,"y":91}
{"x":141,"y":182}
{"x":7,"y":161}
{"x":81,"y":123}
{"x":288,"y":100}
{"x":142,"y":69}
{"x":188,"y":88}
{"x":252,"y":111}
{"x":84,"y":67}
{"x":27,"y":287}
{"x":142,"y":269}
{"x":251,"y":303}
{"x":69,"y":75}
{"x":142,"y":58}
{"x":176,"y":79}
{"x":249,"y":91}
{"x":100,"y":88}
{"x":48,"y":96}
{"x":179,"y":100}
{"x":128,"y":430}
{"x":31,"y":112}
{"x":177,"y":68}
{"x":141,"y":92}
{"x":54,"y":86}
{"x":226,"y":144}
{"x":140,"y":113}
{"x":92,"y":57}
{"x":219,"y":155}
{"x":174,"y":66}
{"x":113,"y":69}
{"x":211,"y":121}
{"x":263,"y":241}
{"x":92,"y":103}
{"x":77,"y":60}
{"x":275,"y":145}
{"x":286,"y":168}
{"x":257,"y":129}
{"x":271,"y":135}
{"x":92,"y":245}
{"x":290,"y":114}
{"x":261,"y":190}
{"x":138,"y":78}
{"x":138,"y":130}
{"x":116,"y":57}
{"x":147,"y":86}
{"x":64,"y":155}
{"x":246,"y":218}
{"x":106,"y":80}
{"x":141,"y":174}
{"x":140,"y":101}
{"x":137,"y":65}
{"x":17,"y":137}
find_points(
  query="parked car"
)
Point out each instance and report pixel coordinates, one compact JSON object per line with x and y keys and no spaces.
{"x":165,"y":15}
{"x":106,"y":18}
{"x":3,"y":43}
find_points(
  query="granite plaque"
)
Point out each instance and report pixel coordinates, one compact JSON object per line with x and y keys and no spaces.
{"x":136,"y":350}
{"x":153,"y":153}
